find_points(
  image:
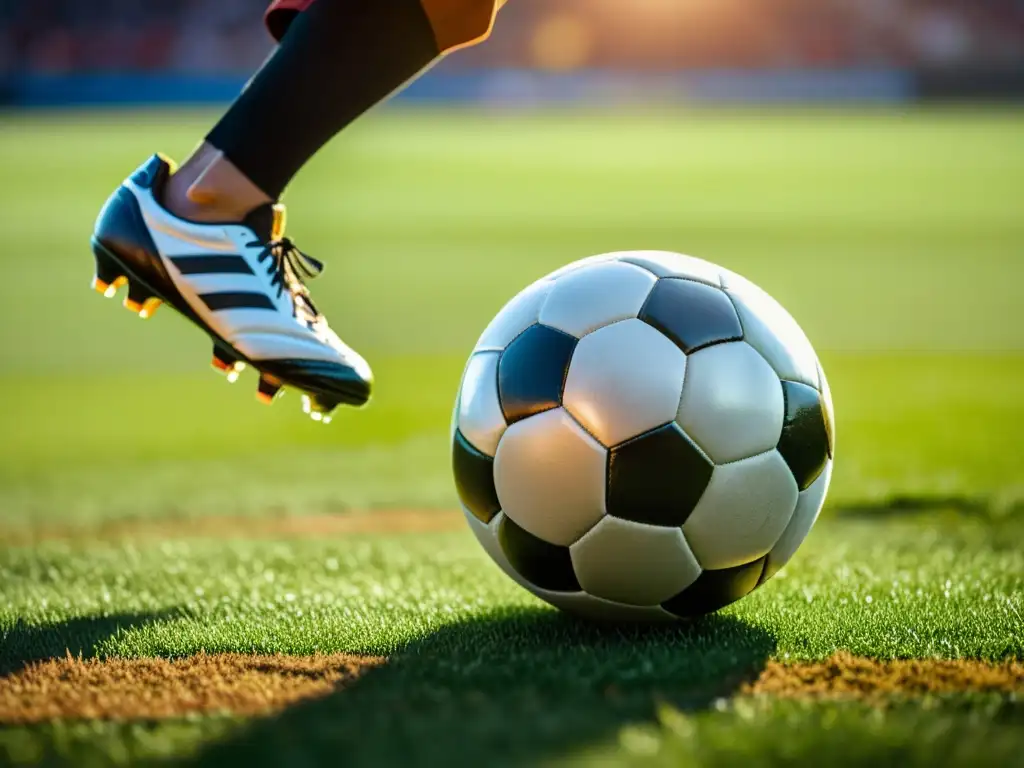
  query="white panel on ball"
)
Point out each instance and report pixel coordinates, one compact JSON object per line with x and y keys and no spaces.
{"x":668,"y":264}
{"x":633,"y":563}
{"x":515,"y":317}
{"x":732,"y":404}
{"x":743,"y":512}
{"x":773,"y":332}
{"x":480,"y":418}
{"x":807,"y":509}
{"x":597,"y":295}
{"x":624,"y":379}
{"x":550,"y":477}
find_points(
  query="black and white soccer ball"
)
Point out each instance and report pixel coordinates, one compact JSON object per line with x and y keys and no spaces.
{"x":642,"y":435}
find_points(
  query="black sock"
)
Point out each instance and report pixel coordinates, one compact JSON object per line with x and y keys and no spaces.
{"x":336,"y":61}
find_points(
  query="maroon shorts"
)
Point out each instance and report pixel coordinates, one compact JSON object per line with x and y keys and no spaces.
{"x":456,"y":23}
{"x":281,"y":13}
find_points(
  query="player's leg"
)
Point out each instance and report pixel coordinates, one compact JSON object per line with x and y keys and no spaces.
{"x":207,"y":238}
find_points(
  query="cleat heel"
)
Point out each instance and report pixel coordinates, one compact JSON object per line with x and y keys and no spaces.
{"x":109,"y":273}
{"x":269,"y":388}
{"x":226,"y":363}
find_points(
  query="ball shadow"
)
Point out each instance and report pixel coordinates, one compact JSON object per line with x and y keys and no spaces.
{"x":511,"y":688}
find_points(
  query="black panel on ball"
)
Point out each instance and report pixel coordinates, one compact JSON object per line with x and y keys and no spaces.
{"x":657,"y":478}
{"x":544,"y":565}
{"x":693,"y":315}
{"x":716,"y":589}
{"x":532,"y":371}
{"x":804,"y":443}
{"x":474,"y":479}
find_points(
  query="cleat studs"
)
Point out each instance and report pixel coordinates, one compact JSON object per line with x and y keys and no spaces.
{"x":317,"y":409}
{"x":268,"y":388}
{"x":138,"y":298}
{"x":149,"y":307}
{"x":109,"y":290}
{"x":227,"y":364}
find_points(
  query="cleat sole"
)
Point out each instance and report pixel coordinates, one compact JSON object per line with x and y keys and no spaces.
{"x":145,"y":296}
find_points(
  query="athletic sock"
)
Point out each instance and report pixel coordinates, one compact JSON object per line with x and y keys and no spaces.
{"x":336,"y":61}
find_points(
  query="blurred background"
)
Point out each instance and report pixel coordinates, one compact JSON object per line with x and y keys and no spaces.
{"x":862,"y":160}
{"x":862,"y":49}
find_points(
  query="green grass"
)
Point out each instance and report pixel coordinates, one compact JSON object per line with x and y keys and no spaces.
{"x":894,"y":238}
{"x":475,"y":661}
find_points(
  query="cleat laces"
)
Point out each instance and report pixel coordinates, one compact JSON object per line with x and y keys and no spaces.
{"x":289,"y":268}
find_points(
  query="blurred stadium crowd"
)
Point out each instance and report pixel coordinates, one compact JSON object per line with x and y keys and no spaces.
{"x":226,"y":36}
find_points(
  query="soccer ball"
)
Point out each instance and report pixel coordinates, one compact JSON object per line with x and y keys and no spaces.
{"x":642,"y":435}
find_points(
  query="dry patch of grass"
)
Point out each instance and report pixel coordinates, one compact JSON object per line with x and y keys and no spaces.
{"x":843,"y":675}
{"x":140,"y":689}
{"x":314,"y":526}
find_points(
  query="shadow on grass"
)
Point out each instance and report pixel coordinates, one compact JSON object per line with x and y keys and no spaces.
{"x":24,"y":643}
{"x":913,"y":506}
{"x":514,"y":688}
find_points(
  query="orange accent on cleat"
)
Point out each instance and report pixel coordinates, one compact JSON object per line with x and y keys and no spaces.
{"x":149,"y":307}
{"x":221,"y":365}
{"x":268,"y":388}
{"x":99,"y":286}
{"x":110,"y":289}
{"x":132,"y":306}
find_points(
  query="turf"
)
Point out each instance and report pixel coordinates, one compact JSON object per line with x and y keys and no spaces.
{"x":893,"y":237}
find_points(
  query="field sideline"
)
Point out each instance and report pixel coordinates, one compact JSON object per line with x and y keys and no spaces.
{"x":261,"y":589}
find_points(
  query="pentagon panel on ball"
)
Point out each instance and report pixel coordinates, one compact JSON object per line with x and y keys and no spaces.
{"x":693,"y":315}
{"x":657,"y":478}
{"x":532,"y":371}
{"x":642,"y":436}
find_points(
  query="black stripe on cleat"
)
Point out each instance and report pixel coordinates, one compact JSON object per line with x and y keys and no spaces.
{"x":236,"y":300}
{"x":219,"y":264}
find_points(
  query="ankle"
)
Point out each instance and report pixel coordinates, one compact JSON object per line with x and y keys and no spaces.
{"x":210,"y":188}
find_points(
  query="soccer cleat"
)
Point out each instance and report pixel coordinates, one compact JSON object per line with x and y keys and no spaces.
{"x":242,"y":284}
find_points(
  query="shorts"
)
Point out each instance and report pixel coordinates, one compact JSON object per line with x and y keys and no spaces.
{"x":456,"y":23}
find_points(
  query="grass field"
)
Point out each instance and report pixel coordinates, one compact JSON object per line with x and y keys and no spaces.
{"x":148,"y":510}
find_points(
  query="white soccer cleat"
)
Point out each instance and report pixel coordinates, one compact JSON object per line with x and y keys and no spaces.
{"x":243,"y":284}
